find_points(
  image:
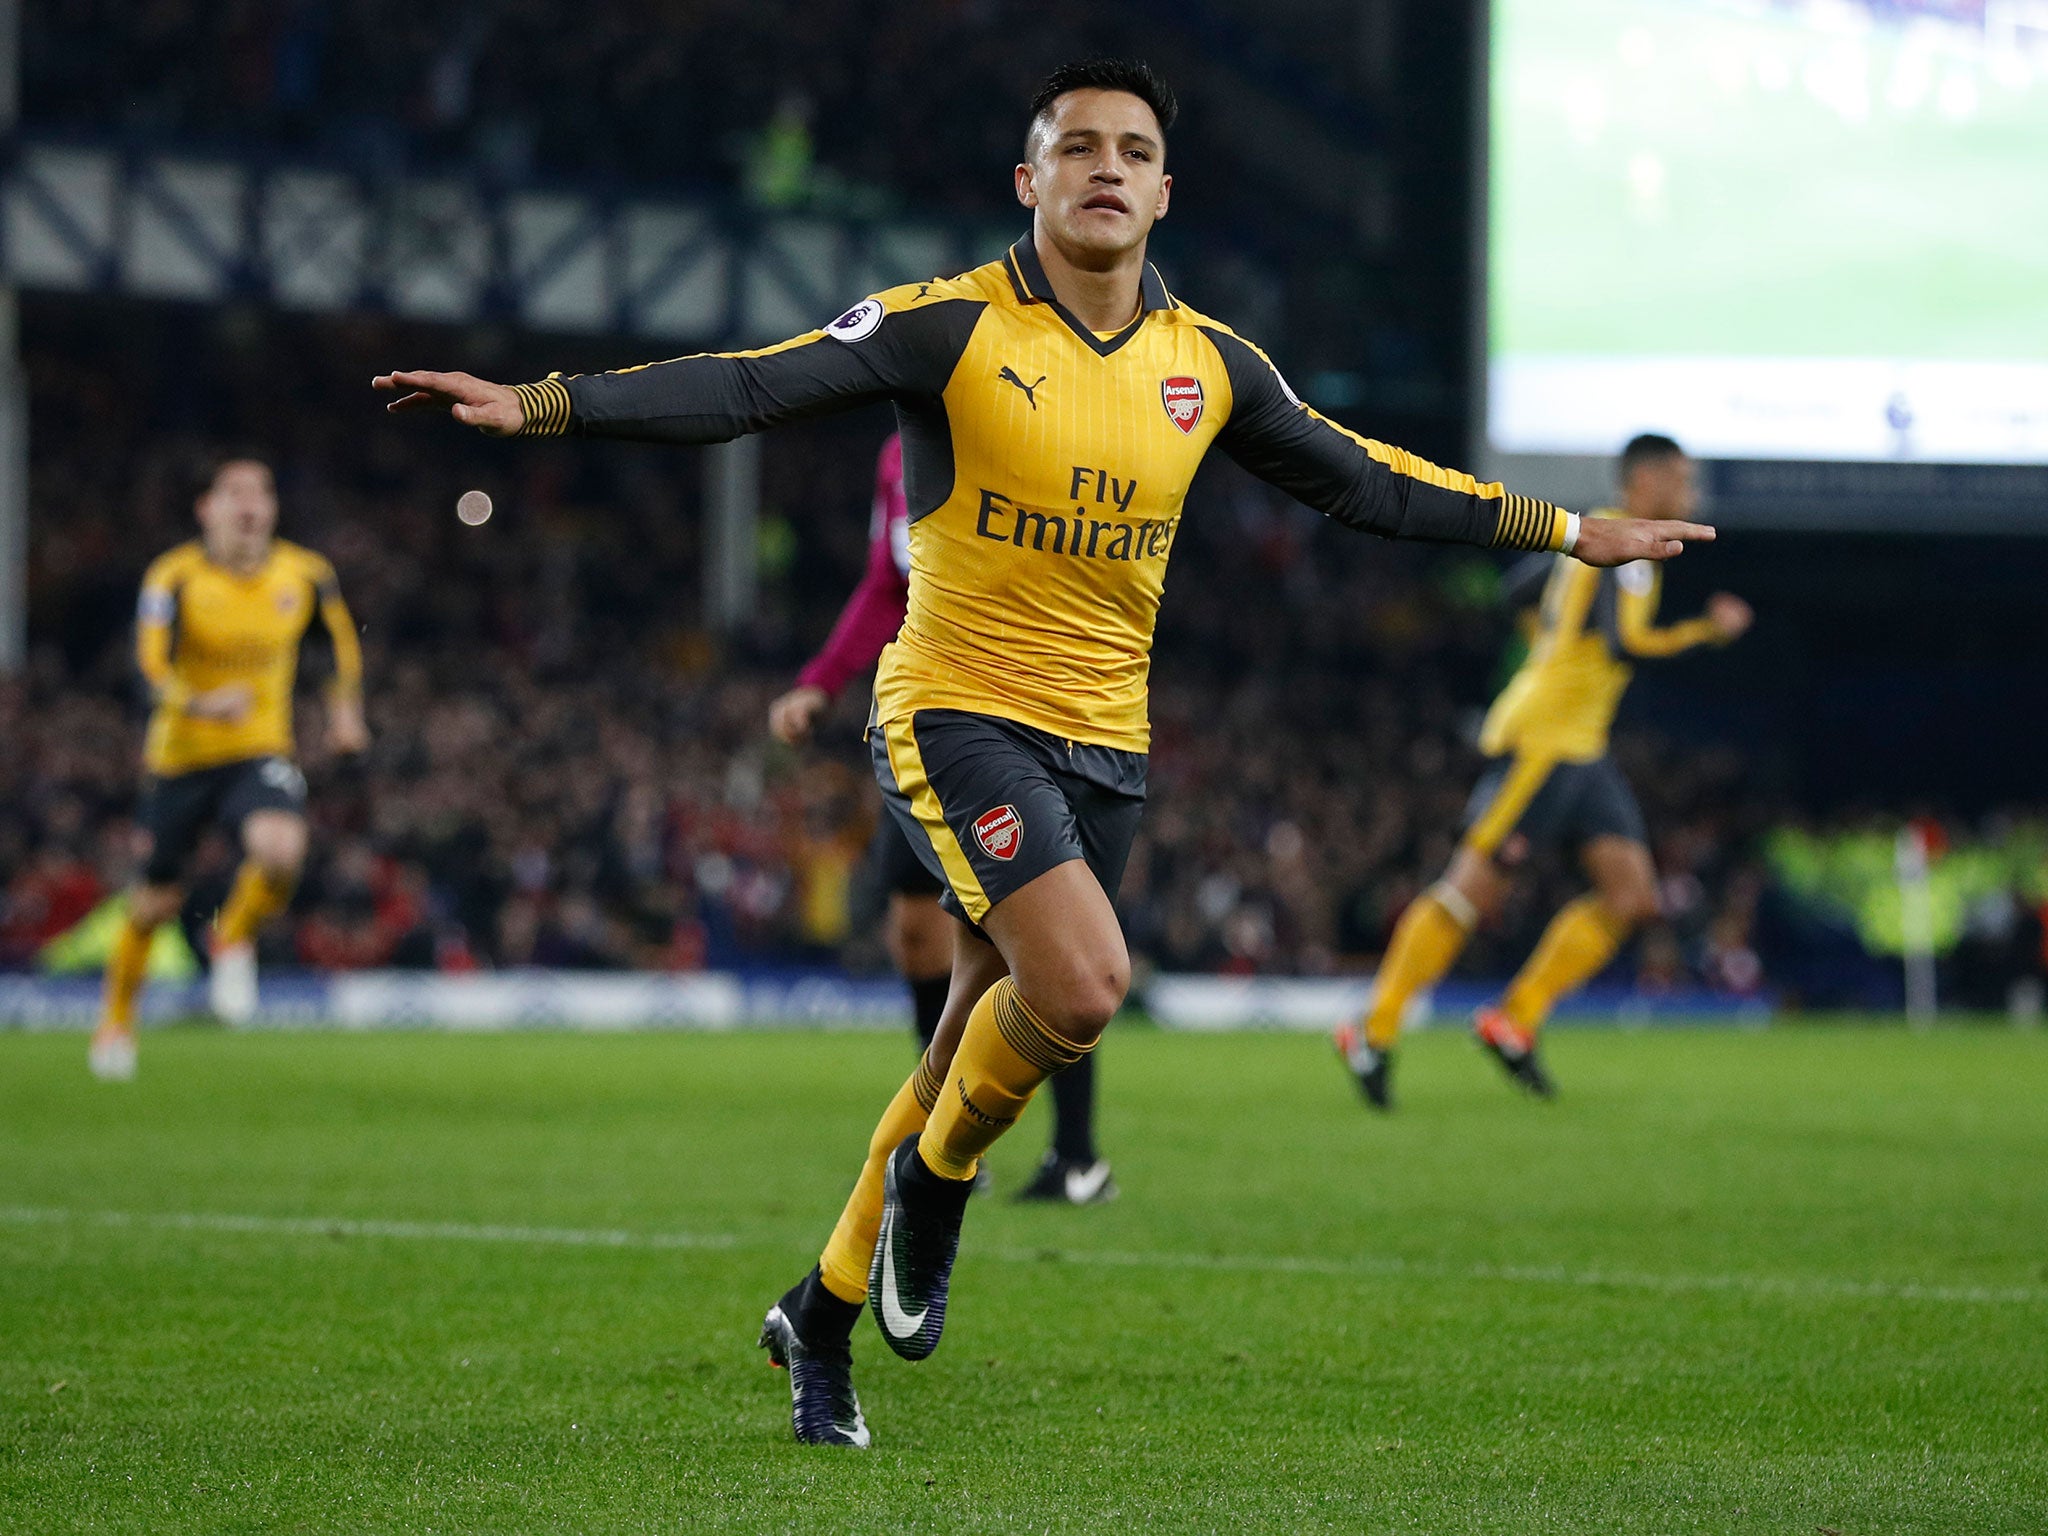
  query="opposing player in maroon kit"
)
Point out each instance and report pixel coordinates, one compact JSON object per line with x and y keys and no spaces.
{"x":918,"y":933}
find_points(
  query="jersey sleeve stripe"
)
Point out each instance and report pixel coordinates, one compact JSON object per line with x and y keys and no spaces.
{"x":545,"y":406}
{"x":1402,"y":462}
{"x":1526,"y":523}
{"x":549,"y":410}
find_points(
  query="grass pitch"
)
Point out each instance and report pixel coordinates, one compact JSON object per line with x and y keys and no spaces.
{"x":1780,"y":1282}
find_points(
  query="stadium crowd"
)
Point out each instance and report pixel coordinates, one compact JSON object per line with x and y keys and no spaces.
{"x":568,"y":769}
{"x":693,"y":98}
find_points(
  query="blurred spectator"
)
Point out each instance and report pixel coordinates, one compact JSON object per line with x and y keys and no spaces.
{"x":568,"y":770}
{"x":691,"y":97}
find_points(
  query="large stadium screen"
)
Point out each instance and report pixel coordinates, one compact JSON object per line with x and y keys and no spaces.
{"x":1812,"y":229}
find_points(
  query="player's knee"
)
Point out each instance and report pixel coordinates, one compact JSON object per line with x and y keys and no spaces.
{"x":1089,"y":997}
{"x":1474,"y":888}
{"x":281,"y":866}
{"x":1631,"y":904}
{"x":151,"y":905}
{"x":276,"y":845}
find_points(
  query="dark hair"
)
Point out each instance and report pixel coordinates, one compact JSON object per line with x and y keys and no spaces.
{"x":1131,"y":75}
{"x":1647,"y":448}
{"x":203,"y":469}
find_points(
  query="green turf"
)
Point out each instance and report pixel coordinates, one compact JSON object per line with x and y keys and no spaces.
{"x":1781,"y":1282}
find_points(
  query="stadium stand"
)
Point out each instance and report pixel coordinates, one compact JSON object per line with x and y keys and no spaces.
{"x":570,"y":771}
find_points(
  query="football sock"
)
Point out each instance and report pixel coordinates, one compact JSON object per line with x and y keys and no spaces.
{"x":927,"y":1002}
{"x":1429,"y":936}
{"x":819,"y":1317}
{"x":1005,"y":1053}
{"x":258,"y":896}
{"x":1073,"y":1107}
{"x":1574,"y":949}
{"x":125,"y":967}
{"x":843,"y":1267}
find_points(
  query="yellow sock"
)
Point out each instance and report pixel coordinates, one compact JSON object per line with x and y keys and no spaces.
{"x":1580,"y":940}
{"x":1429,"y":936}
{"x":844,"y":1264}
{"x":1005,"y":1052}
{"x":258,"y":896}
{"x":124,"y":975}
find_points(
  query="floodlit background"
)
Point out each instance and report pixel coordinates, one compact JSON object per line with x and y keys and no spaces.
{"x":473,"y":1230}
{"x":220,"y":219}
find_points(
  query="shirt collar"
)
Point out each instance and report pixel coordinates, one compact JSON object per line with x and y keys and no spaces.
{"x":1027,"y":277}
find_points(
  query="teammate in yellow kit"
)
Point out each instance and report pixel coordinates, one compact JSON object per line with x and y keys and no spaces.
{"x":217,"y":638}
{"x":1054,"y":407}
{"x":1549,"y":779}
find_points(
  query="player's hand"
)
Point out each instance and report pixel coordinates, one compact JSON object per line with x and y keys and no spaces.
{"x":791,"y":717}
{"x":1730,"y":615}
{"x":230,"y":703}
{"x":347,"y":731}
{"x":1618,"y":540}
{"x":490,"y":408}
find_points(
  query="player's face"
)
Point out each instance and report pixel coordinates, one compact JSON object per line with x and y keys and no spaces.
{"x":238,"y":513}
{"x":1666,"y":488}
{"x":1097,"y":173}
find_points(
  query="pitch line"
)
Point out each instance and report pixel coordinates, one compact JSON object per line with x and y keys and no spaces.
{"x":341,"y":1226}
{"x":1817,"y":1287}
{"x":1813,"y":1287}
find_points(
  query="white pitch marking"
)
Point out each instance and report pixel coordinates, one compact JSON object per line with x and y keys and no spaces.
{"x":341,"y":1226}
{"x":1818,"y":1287}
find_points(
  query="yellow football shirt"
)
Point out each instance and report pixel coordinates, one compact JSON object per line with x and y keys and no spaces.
{"x":1560,"y":703}
{"x":1046,"y":467}
{"x":200,"y":626}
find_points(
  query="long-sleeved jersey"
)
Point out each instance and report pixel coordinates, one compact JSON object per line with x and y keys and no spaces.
{"x":1560,"y":703}
{"x":200,"y":626}
{"x":874,"y":613}
{"x":1045,"y":469}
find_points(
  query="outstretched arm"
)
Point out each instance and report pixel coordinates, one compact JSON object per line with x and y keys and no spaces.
{"x":1381,"y":489}
{"x":1727,"y":616}
{"x":885,"y":347}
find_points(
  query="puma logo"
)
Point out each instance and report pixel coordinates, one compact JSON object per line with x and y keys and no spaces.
{"x":1009,"y":376}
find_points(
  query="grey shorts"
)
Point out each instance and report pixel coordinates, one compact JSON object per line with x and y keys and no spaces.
{"x":178,"y":807}
{"x":989,"y":805}
{"x":1523,"y":800}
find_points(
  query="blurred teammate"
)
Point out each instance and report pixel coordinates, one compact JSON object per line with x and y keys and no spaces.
{"x":1054,"y":407}
{"x":1549,"y":780}
{"x":918,"y":933}
{"x":217,"y":637}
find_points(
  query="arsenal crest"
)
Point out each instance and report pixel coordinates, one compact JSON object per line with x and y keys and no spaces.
{"x":1000,"y":832}
{"x":1182,"y":397}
